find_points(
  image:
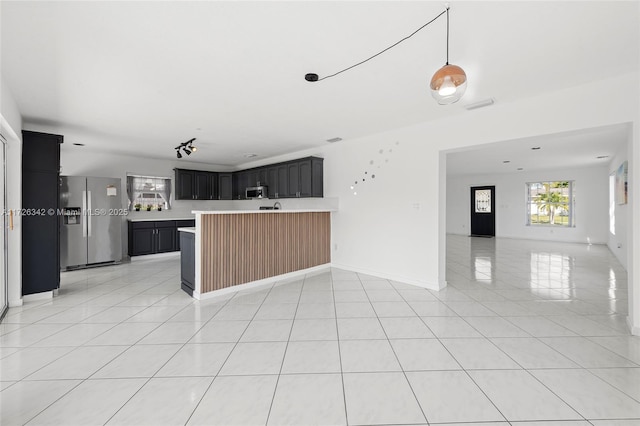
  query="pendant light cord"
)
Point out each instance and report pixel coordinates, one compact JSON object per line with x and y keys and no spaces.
{"x":397,"y":43}
{"x":447,"y":35}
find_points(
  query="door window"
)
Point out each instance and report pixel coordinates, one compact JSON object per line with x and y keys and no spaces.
{"x":483,"y":201}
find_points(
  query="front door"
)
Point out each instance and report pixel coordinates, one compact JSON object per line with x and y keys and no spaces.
{"x":483,"y":215}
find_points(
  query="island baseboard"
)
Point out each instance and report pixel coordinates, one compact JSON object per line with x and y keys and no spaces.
{"x":260,"y":283}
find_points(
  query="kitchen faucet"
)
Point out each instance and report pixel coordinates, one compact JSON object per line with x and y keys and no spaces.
{"x":277,"y":205}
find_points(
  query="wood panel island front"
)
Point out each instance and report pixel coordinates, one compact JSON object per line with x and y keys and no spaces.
{"x":241,"y":248}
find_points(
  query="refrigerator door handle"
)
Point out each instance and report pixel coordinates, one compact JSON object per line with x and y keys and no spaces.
{"x":90,"y":213}
{"x":84,"y":216}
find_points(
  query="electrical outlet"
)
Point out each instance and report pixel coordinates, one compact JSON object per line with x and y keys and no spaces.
{"x":335,"y":247}
{"x":619,"y":245}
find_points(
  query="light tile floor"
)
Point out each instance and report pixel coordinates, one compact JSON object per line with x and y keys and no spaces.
{"x":527,"y":333}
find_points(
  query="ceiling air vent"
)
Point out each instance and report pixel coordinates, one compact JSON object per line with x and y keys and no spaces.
{"x":334,"y":140}
{"x":481,"y":104}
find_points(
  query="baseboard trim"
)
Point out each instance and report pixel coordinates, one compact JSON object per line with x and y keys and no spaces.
{"x":633,"y":329}
{"x":405,"y":280}
{"x":153,"y":256}
{"x":37,"y":296}
{"x":16,"y":303}
{"x":259,"y":283}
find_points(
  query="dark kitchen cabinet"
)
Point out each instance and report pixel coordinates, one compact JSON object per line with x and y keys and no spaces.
{"x":203,"y":186}
{"x":283,"y":181}
{"x":165,"y":239}
{"x":293,"y":185}
{"x":225,"y":186}
{"x":290,"y":179}
{"x":185,"y":184}
{"x":188,"y":262}
{"x":156,"y":236}
{"x":311,"y":176}
{"x":150,"y":237}
{"x":40,"y":222}
{"x":141,"y":238}
{"x":241,"y":182}
{"x":196,"y":185}
{"x":213,"y":187}
{"x":253,"y":178}
{"x":272,"y":181}
{"x":182,"y":224}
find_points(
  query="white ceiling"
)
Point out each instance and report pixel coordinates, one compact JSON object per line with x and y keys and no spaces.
{"x":557,"y":151}
{"x":141,"y":77}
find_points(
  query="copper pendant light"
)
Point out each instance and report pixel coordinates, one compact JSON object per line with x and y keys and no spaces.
{"x":449,"y":83}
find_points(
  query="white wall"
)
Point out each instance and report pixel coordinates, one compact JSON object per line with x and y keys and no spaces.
{"x":591,"y":192}
{"x":618,"y":242}
{"x":10,"y":127}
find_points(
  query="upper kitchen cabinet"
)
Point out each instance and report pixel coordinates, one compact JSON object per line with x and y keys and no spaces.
{"x":240,"y":184}
{"x":185,"y":184}
{"x":272,"y":181}
{"x":291,"y":179}
{"x":225,"y":186}
{"x":310,"y":172}
{"x":203,"y":190}
{"x":40,"y":222}
{"x":300,"y":178}
{"x":293,"y":185}
{"x":196,"y":185}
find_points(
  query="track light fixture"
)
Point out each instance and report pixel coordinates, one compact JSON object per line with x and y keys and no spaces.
{"x":187,"y":147}
{"x":447,"y":85}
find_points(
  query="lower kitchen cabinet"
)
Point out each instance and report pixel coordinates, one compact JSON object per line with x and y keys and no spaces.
{"x":165,"y":236}
{"x":182,"y":224}
{"x":141,"y":240}
{"x":188,"y":261}
{"x":158,"y":236}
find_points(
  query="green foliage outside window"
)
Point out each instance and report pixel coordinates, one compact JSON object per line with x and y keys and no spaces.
{"x":550,"y":203}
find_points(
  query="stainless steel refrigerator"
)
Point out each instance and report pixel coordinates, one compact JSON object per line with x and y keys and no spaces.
{"x":91,"y":229}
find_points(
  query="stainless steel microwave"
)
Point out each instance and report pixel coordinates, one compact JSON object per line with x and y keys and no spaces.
{"x":257,"y":192}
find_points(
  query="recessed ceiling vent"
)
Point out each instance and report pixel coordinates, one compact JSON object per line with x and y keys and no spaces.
{"x":480,"y":104}
{"x":78,"y":144}
{"x":334,"y":140}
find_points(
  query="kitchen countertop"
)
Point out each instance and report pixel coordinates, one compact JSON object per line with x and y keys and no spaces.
{"x":263,"y":211}
{"x":190,"y":229}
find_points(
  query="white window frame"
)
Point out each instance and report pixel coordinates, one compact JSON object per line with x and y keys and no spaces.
{"x":133,"y":193}
{"x":571,"y":223}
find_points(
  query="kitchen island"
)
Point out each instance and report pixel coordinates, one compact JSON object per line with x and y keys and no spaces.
{"x":249,"y":247}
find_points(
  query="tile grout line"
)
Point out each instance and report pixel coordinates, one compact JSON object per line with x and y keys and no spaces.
{"x":70,"y":390}
{"x":394,"y":351}
{"x":335,"y":311}
{"x":284,"y":355}
{"x":458,"y":362}
{"x":165,"y":363}
{"x":230,"y":352}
